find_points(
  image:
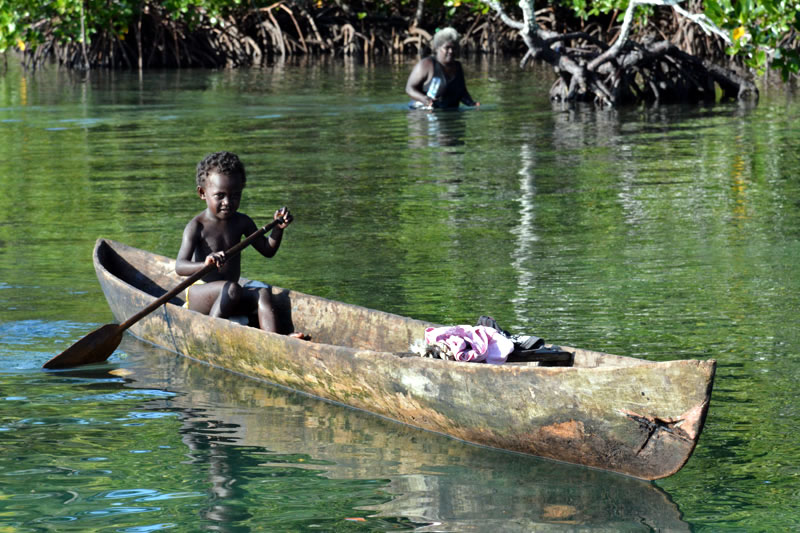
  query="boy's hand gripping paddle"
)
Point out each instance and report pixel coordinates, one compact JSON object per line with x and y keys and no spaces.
{"x":98,"y":345}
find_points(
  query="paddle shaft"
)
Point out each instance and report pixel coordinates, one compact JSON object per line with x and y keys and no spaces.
{"x":98,"y":345}
{"x":241,"y":245}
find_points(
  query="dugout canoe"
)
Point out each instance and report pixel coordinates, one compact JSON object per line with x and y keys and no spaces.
{"x":636,"y":417}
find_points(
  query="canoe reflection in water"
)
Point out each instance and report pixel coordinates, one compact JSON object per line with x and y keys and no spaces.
{"x":433,"y":129}
{"x":435,"y":482}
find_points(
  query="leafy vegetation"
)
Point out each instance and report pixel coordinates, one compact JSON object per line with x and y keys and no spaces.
{"x":763,"y":34}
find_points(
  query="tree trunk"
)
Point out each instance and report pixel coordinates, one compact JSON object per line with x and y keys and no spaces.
{"x":626,"y":72}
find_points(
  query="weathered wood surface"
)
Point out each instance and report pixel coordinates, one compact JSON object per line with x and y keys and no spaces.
{"x":627,"y":415}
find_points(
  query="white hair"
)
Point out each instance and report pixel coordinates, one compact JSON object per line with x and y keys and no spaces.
{"x":444,"y":36}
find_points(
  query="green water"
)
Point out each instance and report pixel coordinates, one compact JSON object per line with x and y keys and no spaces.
{"x":658,"y":233}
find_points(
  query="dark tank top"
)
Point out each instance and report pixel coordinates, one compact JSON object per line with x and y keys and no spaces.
{"x":451,"y":91}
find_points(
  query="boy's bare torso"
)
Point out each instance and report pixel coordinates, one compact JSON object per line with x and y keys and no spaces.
{"x":214,"y":235}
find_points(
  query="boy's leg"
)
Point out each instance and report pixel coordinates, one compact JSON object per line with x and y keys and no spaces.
{"x":261,"y":300}
{"x":267,"y":319}
{"x":217,"y":298}
{"x":229,"y":300}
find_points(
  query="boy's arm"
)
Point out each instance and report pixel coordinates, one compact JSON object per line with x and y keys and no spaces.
{"x":184,"y":264}
{"x":268,"y":246}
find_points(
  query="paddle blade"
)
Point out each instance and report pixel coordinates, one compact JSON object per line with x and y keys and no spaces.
{"x":95,"y":347}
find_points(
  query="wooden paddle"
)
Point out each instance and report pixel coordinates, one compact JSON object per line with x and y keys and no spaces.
{"x":98,"y":345}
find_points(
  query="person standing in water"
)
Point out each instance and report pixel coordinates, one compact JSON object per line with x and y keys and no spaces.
{"x":438,"y":80}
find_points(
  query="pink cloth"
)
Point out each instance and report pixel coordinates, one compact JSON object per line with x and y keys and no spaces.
{"x":472,"y":343}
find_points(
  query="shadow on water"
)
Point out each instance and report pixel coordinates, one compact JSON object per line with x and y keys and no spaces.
{"x":433,"y":481}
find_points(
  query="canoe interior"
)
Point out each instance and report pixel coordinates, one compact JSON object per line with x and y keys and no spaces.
{"x":326,"y":321}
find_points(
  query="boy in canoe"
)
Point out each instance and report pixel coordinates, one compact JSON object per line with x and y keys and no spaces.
{"x":221,"y":179}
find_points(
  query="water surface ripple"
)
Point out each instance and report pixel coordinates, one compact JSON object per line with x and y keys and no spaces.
{"x":662,"y":233}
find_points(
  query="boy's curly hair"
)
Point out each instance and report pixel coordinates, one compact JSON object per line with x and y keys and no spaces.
{"x":226,"y":163}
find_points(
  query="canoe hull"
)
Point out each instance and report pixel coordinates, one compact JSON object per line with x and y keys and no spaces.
{"x":626,"y":415}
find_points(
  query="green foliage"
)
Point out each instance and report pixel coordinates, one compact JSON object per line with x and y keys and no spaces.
{"x":472,"y":6}
{"x":758,"y":28}
{"x":23,"y":22}
{"x":586,"y":8}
